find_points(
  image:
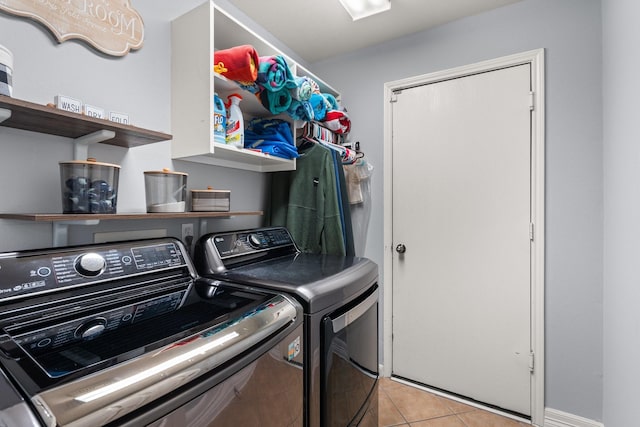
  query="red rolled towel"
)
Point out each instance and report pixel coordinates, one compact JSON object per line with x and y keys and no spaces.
{"x":338,"y":121}
{"x":239,"y":63}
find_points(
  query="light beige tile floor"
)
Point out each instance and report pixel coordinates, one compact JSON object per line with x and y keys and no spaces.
{"x":405,"y":406}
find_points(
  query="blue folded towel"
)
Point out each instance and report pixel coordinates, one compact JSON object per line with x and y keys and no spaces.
{"x":303,"y":89}
{"x":276,"y":102}
{"x":274,"y":74}
{"x":254,"y":140}
{"x":318,"y":102}
{"x":280,"y":150}
{"x":332,"y":102}
{"x":300,"y":110}
{"x":271,"y":128}
{"x":271,"y":136}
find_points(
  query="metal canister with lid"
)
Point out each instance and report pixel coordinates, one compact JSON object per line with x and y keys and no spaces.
{"x":165,"y":190}
{"x":210,"y":200}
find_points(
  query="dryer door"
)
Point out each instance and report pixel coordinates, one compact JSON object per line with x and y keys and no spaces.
{"x":349,"y":365}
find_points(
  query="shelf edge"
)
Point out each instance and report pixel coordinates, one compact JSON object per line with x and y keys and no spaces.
{"x":55,"y":217}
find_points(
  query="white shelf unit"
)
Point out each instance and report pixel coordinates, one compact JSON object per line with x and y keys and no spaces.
{"x":194,"y":37}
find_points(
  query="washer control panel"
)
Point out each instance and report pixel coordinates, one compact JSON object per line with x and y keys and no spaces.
{"x":89,"y":327}
{"x":34,"y":272}
{"x":247,"y":242}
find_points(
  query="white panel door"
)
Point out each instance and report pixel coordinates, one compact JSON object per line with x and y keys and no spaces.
{"x":461,"y":208}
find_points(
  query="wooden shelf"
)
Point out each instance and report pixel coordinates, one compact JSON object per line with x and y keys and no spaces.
{"x":55,"y":217}
{"x":61,"y":222}
{"x":49,"y":120}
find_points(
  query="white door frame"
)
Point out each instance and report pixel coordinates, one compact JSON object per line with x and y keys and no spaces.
{"x":536,"y":59}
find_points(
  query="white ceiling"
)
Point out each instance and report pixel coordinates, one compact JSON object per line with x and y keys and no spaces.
{"x":320,"y":29}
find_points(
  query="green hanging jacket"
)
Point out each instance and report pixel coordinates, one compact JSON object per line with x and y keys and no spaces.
{"x":306,"y":202}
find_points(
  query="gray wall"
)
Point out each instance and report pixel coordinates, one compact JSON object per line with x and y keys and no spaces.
{"x":138,"y":84}
{"x":569,"y":30}
{"x":621,"y":212}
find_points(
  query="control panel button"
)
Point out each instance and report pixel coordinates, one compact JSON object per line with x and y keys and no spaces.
{"x":90,"y":265}
{"x":44,"y":342}
{"x":91,"y":329}
{"x":44,"y":271}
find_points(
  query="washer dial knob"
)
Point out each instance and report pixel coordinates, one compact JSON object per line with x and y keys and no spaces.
{"x":92,"y":328}
{"x":255,"y":241}
{"x":90,"y":264}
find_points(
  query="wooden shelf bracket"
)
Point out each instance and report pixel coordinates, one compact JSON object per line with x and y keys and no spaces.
{"x":81,"y":144}
{"x":4,"y":114}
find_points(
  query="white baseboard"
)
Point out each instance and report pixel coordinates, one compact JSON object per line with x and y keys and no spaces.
{"x":555,"y":418}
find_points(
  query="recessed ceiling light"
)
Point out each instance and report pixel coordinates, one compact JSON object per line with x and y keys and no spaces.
{"x":359,"y":9}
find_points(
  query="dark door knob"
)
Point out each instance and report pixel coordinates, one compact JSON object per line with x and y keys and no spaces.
{"x":401,"y":248}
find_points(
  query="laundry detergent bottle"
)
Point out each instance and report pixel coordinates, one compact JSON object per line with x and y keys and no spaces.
{"x":235,"y":122}
{"x":219,"y":120}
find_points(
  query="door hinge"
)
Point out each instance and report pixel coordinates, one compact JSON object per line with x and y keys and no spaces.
{"x":394,"y":95}
{"x":531,"y":231}
{"x":531,"y":362}
{"x":532,"y":102}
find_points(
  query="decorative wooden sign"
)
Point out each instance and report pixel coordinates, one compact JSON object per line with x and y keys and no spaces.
{"x":111,"y":26}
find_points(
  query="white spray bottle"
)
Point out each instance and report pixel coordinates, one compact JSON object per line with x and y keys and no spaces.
{"x":235,"y":122}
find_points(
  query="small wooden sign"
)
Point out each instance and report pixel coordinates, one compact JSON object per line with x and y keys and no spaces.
{"x":68,"y":104}
{"x":111,"y":26}
{"x":121,"y":118}
{"x":91,"y":111}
